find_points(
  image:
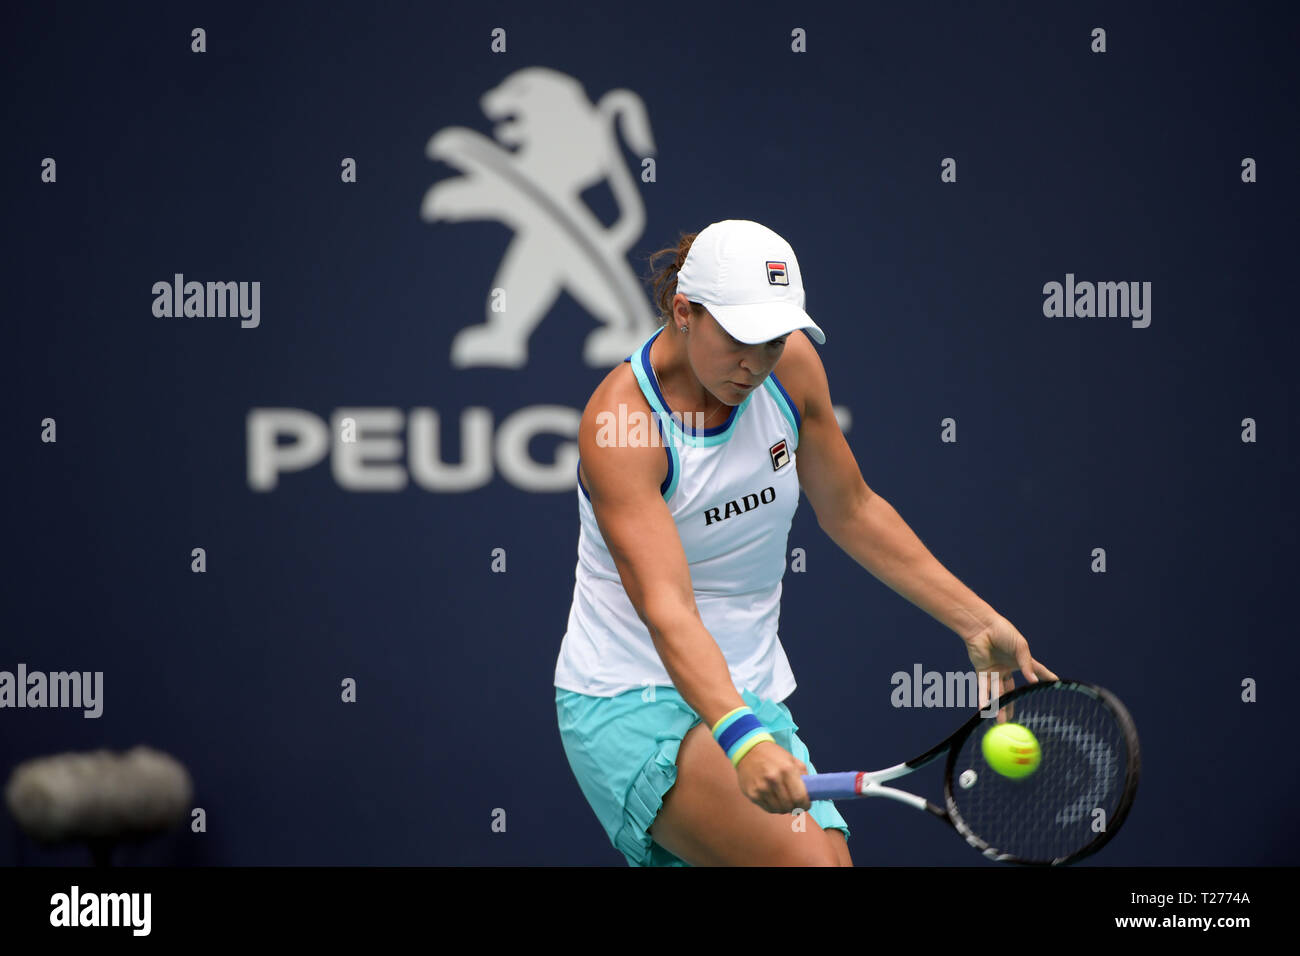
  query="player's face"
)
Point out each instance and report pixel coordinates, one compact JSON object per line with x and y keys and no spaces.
{"x":728,"y":368}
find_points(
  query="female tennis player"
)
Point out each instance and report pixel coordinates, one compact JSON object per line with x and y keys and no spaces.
{"x":671,"y":678}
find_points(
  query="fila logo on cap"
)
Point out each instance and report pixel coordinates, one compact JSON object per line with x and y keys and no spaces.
{"x":776,"y":274}
{"x":779,"y":455}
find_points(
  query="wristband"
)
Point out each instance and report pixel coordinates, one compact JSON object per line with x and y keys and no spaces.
{"x":738,"y":732}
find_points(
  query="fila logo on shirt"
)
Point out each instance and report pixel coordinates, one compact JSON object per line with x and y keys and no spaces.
{"x":780,"y":455}
{"x":776,"y":274}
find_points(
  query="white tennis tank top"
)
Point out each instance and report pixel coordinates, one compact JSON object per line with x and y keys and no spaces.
{"x":732,"y":490}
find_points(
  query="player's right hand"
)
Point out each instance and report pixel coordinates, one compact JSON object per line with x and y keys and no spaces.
{"x":771,"y":777}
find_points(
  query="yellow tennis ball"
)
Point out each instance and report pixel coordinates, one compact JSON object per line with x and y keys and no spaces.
{"x":1012,"y":750}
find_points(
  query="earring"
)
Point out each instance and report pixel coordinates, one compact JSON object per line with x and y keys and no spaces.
{"x":683,"y":328}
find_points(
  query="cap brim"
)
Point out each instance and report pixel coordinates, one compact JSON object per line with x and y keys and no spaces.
{"x":755,"y":324}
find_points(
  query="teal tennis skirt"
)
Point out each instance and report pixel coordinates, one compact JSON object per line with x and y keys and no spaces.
{"x":623,"y":750}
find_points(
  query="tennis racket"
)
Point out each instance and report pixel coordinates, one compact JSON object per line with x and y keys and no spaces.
{"x":1067,"y":809}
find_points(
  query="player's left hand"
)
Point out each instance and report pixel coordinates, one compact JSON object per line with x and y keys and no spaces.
{"x":998,"y":648}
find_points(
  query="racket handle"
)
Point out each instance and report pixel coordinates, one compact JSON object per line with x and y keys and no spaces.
{"x":833,"y":786}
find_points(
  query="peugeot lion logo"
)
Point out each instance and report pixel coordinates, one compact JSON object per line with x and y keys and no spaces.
{"x":551,"y":143}
{"x":564,"y":144}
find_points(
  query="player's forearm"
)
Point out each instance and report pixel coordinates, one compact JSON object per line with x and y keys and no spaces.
{"x":696,"y":665}
{"x":877,"y":537}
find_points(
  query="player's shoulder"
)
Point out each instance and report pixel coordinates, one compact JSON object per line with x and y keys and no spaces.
{"x":611,"y":415}
{"x":619,"y":388}
{"x":800,"y":371}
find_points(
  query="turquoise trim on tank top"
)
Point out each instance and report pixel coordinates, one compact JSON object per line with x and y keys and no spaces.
{"x":705,"y":438}
{"x":784,"y":403}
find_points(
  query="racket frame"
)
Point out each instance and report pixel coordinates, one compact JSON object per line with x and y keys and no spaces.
{"x":869,"y":784}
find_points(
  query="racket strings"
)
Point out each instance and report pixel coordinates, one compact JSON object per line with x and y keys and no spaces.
{"x":1068,"y":802}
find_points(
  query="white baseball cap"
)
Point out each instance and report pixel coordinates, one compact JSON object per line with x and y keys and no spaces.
{"x":748,"y":278}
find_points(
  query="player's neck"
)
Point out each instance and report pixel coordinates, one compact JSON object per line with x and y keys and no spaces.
{"x":678,"y":382}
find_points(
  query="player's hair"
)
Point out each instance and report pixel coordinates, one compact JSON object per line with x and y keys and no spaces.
{"x":664,"y":279}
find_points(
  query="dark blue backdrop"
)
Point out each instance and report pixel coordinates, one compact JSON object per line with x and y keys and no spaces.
{"x":1073,"y":433}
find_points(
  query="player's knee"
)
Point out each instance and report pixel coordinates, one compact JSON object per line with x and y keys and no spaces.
{"x":813,"y":856}
{"x":812,"y":848}
{"x":840,"y":842}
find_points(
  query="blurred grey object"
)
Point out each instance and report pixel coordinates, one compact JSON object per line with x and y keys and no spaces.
{"x":99,"y":797}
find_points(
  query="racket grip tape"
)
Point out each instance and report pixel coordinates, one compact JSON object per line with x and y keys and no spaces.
{"x":833,"y":786}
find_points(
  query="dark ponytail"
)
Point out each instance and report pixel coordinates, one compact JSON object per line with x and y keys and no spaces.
{"x":664,"y":279}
